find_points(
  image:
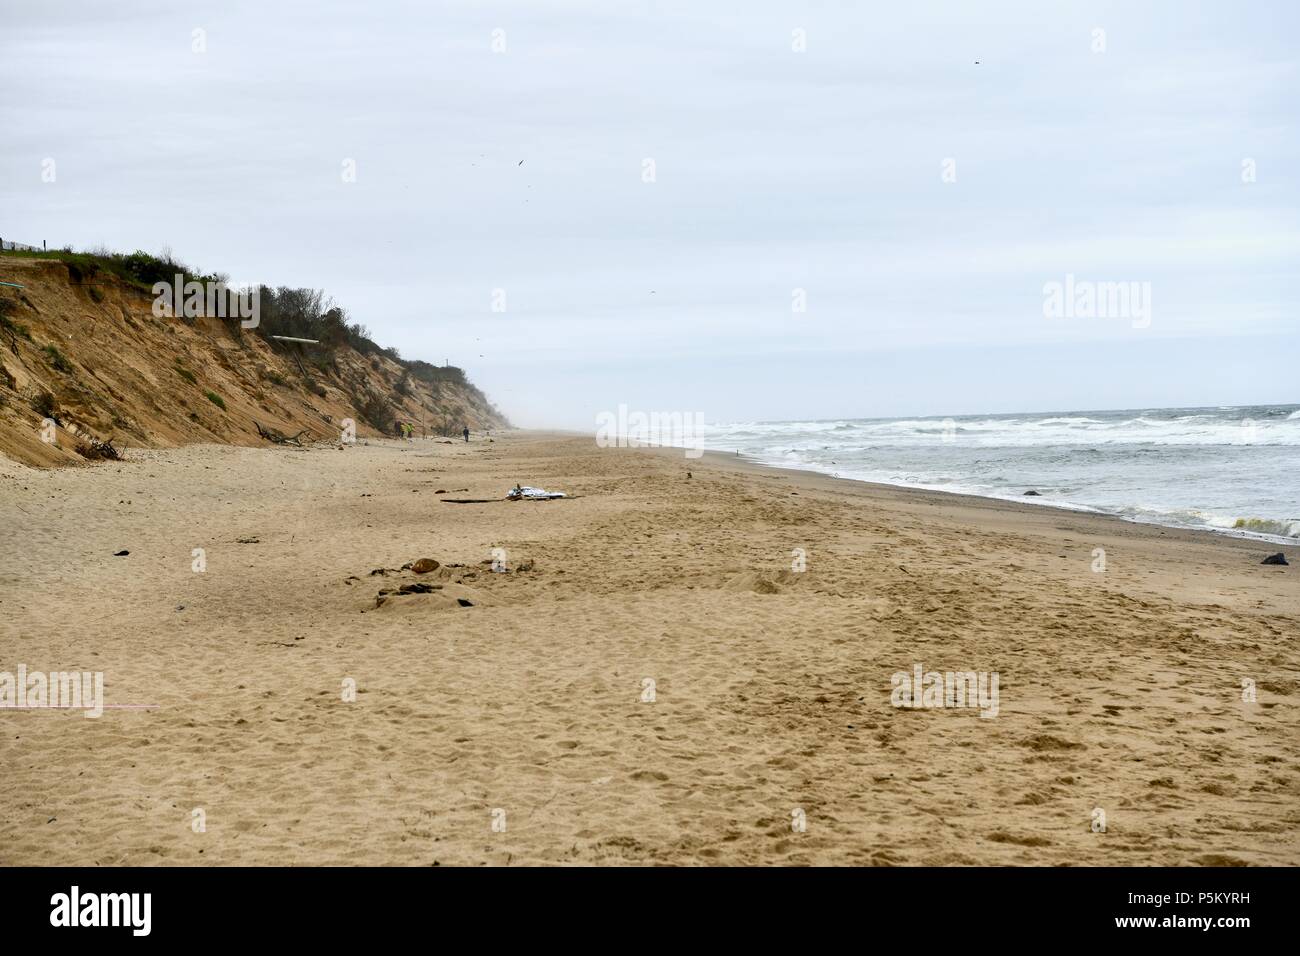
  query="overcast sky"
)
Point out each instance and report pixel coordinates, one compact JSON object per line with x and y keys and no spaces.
{"x":795,"y":146}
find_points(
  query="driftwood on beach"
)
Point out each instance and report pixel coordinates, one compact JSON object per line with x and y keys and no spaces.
{"x":272,"y":435}
{"x":95,"y":450}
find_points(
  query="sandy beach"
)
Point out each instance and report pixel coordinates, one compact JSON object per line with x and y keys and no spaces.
{"x":650,"y":681}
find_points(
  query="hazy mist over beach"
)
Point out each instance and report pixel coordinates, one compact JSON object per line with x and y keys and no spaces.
{"x":748,"y":210}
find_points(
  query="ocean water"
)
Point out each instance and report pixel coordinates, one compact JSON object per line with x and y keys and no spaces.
{"x":1233,"y":470}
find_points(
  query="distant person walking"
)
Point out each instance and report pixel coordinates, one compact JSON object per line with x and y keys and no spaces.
{"x":466,"y":433}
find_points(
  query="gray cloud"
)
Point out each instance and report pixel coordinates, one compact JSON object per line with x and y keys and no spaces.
{"x":775,"y":170}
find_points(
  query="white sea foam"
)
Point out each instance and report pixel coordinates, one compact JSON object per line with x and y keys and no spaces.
{"x":1227,"y":469}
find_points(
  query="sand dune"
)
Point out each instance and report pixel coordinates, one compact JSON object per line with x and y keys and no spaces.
{"x":659,"y":686}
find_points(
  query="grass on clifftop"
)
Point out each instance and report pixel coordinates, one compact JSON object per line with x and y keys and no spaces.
{"x":140,"y":269}
{"x":282,"y":311}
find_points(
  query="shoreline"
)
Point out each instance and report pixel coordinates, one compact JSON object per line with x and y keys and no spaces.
{"x":653,"y":680}
{"x":1275,"y":541}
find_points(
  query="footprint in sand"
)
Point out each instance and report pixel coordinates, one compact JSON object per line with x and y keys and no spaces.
{"x":1001,"y":836}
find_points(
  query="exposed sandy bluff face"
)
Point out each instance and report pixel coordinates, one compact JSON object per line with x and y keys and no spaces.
{"x":114,"y":370}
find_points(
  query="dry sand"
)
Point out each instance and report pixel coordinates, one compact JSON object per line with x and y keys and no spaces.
{"x":1119,"y":690}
